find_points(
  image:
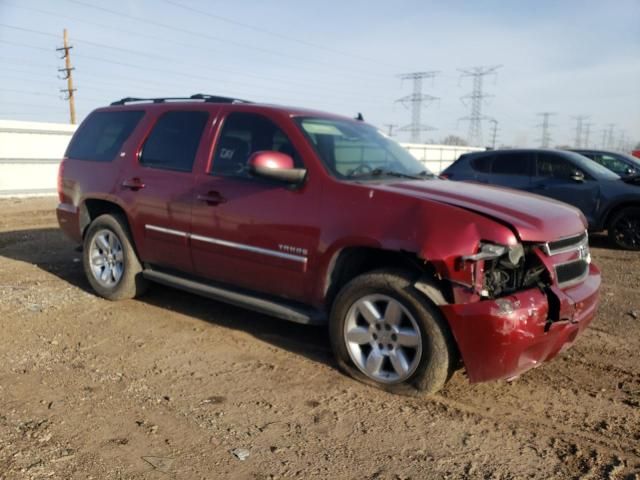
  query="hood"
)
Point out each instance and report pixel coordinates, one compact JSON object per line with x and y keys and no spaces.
{"x":532,"y":217}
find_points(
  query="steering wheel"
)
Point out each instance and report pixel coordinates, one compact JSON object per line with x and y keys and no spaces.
{"x":361,"y":169}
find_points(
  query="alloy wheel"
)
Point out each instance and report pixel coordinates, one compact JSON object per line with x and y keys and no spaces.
{"x":383,"y":338}
{"x":107,"y":258}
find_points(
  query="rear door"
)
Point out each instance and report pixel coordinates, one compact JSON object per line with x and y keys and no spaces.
{"x":248,"y":231}
{"x":553,"y":178}
{"x":157,"y":187}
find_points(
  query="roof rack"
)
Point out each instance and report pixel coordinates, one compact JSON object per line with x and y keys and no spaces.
{"x":198,"y":96}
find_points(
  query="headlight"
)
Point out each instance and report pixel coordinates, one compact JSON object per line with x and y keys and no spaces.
{"x":491,"y":251}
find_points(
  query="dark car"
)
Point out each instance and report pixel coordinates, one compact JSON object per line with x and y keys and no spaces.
{"x":618,"y":163}
{"x":608,"y":201}
{"x":317,"y":218}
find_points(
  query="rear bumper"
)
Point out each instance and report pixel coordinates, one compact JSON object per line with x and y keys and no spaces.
{"x":69,"y":221}
{"x":502,"y":338}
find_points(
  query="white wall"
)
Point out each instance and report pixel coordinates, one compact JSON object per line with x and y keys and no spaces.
{"x":30,"y":153}
{"x":437,"y":157}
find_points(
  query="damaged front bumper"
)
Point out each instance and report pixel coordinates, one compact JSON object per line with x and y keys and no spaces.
{"x":502,"y":338}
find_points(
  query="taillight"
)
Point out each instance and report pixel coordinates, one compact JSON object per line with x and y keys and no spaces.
{"x":445,"y":176}
{"x":60,"y":175}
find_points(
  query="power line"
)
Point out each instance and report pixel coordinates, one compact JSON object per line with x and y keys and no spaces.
{"x":275,"y":34}
{"x":203,"y":35}
{"x":317,"y":72}
{"x":476,"y":98}
{"x":416,"y":100}
{"x":545,"y":138}
{"x":173,"y":61}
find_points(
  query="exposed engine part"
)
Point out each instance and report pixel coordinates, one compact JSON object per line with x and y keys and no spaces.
{"x":501,"y":276}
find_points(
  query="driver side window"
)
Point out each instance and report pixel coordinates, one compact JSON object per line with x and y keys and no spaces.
{"x":551,"y":166}
{"x":242,"y":135}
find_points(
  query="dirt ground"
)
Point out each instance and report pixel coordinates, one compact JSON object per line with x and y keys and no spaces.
{"x":176,"y":386}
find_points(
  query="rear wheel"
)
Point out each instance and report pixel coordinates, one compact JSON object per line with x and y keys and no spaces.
{"x":624,"y":229}
{"x":110,"y":262}
{"x":387,"y":334}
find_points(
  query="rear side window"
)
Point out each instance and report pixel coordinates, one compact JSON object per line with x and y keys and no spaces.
{"x":482,"y":164}
{"x":513,"y":163}
{"x":174,"y":140}
{"x":102,"y":134}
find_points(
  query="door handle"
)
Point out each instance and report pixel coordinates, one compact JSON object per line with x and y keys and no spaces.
{"x":211,"y":198}
{"x":134,"y":184}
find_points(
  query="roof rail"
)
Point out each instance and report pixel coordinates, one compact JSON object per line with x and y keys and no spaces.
{"x":197,"y":96}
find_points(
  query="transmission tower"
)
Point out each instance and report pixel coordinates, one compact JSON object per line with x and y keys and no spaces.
{"x":416,"y":100}
{"x":610,"y":128}
{"x":68,"y":76}
{"x":622,"y":141}
{"x":474,"y":99}
{"x":579,"y":124}
{"x":587,"y":134}
{"x":545,"y":139}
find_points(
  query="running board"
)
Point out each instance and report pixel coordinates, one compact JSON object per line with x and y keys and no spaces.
{"x":258,"y":304}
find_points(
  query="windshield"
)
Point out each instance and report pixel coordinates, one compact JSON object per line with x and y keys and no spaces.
{"x":351,"y":150}
{"x":593,"y":168}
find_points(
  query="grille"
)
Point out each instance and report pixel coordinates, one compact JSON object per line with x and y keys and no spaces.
{"x":572,"y":272}
{"x":566,"y":244}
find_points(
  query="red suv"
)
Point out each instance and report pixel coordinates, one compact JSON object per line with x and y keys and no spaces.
{"x":317,"y":218}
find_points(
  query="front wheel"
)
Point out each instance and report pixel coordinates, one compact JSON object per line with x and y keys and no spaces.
{"x":385,"y":333}
{"x":624,"y":229}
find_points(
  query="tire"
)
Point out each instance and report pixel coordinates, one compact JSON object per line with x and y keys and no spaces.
{"x":624,"y":229}
{"x":430,"y":363}
{"x":110,"y":262}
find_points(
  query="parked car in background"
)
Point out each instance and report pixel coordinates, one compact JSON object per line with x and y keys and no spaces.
{"x":618,"y":163}
{"x":608,"y":201}
{"x":317,"y":218}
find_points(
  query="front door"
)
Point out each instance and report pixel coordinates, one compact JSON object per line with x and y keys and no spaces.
{"x":554,"y":178}
{"x":158,"y":188}
{"x":251,"y":232}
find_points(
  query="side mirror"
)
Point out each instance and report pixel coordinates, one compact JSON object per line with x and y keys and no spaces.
{"x":275,"y":166}
{"x":577,"y":176}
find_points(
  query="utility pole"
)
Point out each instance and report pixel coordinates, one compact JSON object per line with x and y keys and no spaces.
{"x":545,"y":139}
{"x":416,"y":100}
{"x":579,"y":124}
{"x":68,"y":76}
{"x":390,"y":127}
{"x":494,"y":134}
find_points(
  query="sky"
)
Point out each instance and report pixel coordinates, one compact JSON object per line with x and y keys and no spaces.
{"x":572,"y":57}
